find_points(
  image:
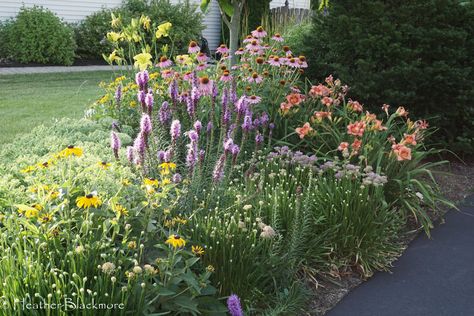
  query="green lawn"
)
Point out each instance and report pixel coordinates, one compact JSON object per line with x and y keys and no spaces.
{"x":30,"y":100}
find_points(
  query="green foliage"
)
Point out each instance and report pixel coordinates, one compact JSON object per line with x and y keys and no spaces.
{"x":90,"y":34}
{"x":187,"y":24}
{"x":418,"y":54}
{"x":37,"y":35}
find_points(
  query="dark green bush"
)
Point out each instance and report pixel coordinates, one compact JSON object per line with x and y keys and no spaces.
{"x":414,"y":53}
{"x":38,"y":35}
{"x":187,"y":24}
{"x":90,"y":34}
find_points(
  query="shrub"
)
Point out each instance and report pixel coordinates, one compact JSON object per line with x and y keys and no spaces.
{"x":90,"y":34}
{"x":187,"y":25}
{"x":92,"y":231}
{"x":38,"y":35}
{"x":390,"y":52}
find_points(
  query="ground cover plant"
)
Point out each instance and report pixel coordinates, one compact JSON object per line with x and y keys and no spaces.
{"x":193,"y":184}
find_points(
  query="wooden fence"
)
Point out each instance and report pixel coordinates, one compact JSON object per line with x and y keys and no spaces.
{"x":283,"y":16}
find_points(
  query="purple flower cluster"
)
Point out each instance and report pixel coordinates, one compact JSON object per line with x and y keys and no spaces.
{"x":233,"y":305}
{"x":292,"y":157}
{"x":115,"y":143}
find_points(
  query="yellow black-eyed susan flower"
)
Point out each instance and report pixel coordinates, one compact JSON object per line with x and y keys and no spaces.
{"x":165,"y":181}
{"x":120,"y":210}
{"x":28,"y":169}
{"x":27,"y":211}
{"x":166,"y":167}
{"x":53,"y":195}
{"x":176,"y":241}
{"x":45,"y":218}
{"x":71,"y":150}
{"x":151,"y":181}
{"x":180,"y":220}
{"x":104,"y":164}
{"x":88,"y":201}
{"x":197,"y":250}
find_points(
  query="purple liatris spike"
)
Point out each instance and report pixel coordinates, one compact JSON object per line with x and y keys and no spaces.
{"x":247,"y":124}
{"x":209,"y":128}
{"x":141,"y":79}
{"x":161,"y":156}
{"x":149,"y":101}
{"x":227,"y":116}
{"x":130,"y":154}
{"x":177,"y":178}
{"x":228,"y":143}
{"x":218,"y":172}
{"x":115,"y":126}
{"x":258,"y":139}
{"x":233,"y":304}
{"x":164,"y":114}
{"x":193,"y":136}
{"x":173,"y":90}
{"x":168,"y":155}
{"x":198,"y":126}
{"x":235,"y":151}
{"x":115,"y":143}
{"x":175,"y":130}
{"x":231,"y":130}
{"x":145,"y":124}
{"x":202,"y":155}
{"x":241,"y":105}
{"x":191,"y":157}
{"x":139,"y":144}
{"x":233,"y":93}
{"x":215,"y":91}
{"x":118,"y":93}
{"x":264,"y":119}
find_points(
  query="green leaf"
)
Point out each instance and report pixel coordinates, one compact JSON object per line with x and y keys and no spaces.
{"x":226,"y":7}
{"x":205,"y":5}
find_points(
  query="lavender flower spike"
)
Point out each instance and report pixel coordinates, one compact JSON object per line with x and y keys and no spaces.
{"x":164,"y":114}
{"x":149,"y":101}
{"x":130,"y":154}
{"x":115,"y":144}
{"x":218,"y":172}
{"x":198,"y":126}
{"x":145,"y":124}
{"x":118,"y":94}
{"x":141,"y":79}
{"x":175,"y":130}
{"x":233,"y":304}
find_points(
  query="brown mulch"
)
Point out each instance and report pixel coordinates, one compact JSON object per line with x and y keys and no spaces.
{"x":456,"y":182}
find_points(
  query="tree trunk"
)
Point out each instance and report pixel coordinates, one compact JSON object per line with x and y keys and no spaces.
{"x":234,"y":30}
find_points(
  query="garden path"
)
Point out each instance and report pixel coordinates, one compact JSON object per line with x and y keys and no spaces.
{"x":433,"y":277}
{"x":52,"y":69}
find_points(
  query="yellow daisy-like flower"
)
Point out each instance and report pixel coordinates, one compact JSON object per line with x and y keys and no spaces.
{"x":53,"y":195}
{"x":71,"y":150}
{"x":119,"y":79}
{"x":28,"y":169}
{"x":104,"y":99}
{"x":184,"y":60}
{"x":120,"y":210}
{"x":165,"y":182}
{"x":104,"y":164}
{"x":88,"y":201}
{"x":154,"y":75}
{"x":142,"y":61}
{"x":126,"y":182}
{"x":180,"y":220}
{"x":45,"y":164}
{"x":133,"y":104}
{"x":28,"y":211}
{"x":45,"y":218}
{"x":113,"y":57}
{"x":176,"y":241}
{"x":197,"y":250}
{"x":151,"y":181}
{"x":166,"y":167}
{"x":163,"y":30}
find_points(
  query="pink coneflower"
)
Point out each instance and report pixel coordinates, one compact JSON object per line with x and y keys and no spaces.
{"x":293,"y":62}
{"x":193,"y":48}
{"x":201,"y":57}
{"x":287,"y":50}
{"x":255,"y":77}
{"x":248,"y":39}
{"x":302,"y":62}
{"x":164,"y":62}
{"x":201,"y":66}
{"x":277,"y":37}
{"x":240,"y":51}
{"x":275,"y":61}
{"x":188,"y":76}
{"x":205,"y":85}
{"x":253,"y":46}
{"x":167,"y":73}
{"x":222,"y":49}
{"x":259,"y":32}
{"x":253,"y":99}
{"x":226,"y":76}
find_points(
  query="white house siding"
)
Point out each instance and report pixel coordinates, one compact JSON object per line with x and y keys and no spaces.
{"x":76,"y":10}
{"x":303,"y":4}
